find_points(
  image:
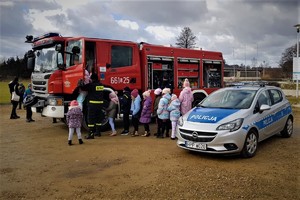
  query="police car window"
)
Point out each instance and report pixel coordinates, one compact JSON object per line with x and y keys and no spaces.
{"x":276,"y":95}
{"x":264,"y":98}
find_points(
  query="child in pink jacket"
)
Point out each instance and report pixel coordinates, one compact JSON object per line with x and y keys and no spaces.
{"x":186,"y":97}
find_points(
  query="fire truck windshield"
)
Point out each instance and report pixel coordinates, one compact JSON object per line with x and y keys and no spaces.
{"x":46,"y":60}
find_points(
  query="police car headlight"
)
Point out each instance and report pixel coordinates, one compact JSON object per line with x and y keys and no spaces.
{"x":232,"y":126}
{"x":180,"y":121}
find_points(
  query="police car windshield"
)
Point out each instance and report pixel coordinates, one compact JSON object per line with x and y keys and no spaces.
{"x":229,"y":99}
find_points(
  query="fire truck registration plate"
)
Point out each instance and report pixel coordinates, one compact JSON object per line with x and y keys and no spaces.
{"x":195,"y":145}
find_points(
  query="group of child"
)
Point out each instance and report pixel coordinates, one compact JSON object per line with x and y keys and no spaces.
{"x":167,"y":108}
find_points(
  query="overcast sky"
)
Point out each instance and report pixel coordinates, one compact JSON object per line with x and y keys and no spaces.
{"x":241,"y":29}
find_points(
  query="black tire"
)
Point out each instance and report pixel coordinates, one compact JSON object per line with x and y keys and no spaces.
{"x":288,"y":128}
{"x":250,"y":145}
{"x":105,"y":124}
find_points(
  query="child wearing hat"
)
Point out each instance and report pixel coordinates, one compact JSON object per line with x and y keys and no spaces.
{"x":163,"y":112}
{"x":135,"y":110}
{"x":112,"y":111}
{"x":186,"y":97}
{"x":157,"y":93}
{"x":146,"y":112}
{"x":74,"y":119}
{"x":173,"y":108}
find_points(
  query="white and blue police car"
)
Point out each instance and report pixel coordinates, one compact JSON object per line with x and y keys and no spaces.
{"x":235,"y":119}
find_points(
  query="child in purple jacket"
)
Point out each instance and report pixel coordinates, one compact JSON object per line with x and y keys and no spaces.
{"x":146,"y":113}
{"x":74,"y":119}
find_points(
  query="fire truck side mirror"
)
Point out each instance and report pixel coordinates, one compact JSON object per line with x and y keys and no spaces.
{"x":58,"y":48}
{"x":30,"y":60}
{"x":30,"y":63}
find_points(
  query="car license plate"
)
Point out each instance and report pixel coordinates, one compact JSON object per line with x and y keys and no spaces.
{"x":195,"y":145}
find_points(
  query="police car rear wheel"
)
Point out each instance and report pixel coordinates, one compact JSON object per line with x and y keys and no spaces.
{"x":288,"y":128}
{"x":250,"y":145}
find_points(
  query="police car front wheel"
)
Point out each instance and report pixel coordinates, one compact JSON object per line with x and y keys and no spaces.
{"x":250,"y":145}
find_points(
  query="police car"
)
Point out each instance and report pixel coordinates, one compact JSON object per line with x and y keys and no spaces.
{"x":235,"y":119}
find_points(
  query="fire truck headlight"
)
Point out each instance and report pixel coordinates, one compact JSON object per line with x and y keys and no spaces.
{"x":55,"y":102}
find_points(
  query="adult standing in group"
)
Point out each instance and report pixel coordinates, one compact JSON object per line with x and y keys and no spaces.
{"x":136,"y":111}
{"x":126,"y":105}
{"x":95,"y":104}
{"x":21,"y":92}
{"x":186,"y":97}
{"x":28,"y":92}
{"x":14,"y":87}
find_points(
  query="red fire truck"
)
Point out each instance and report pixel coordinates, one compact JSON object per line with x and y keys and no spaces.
{"x":118,"y":64}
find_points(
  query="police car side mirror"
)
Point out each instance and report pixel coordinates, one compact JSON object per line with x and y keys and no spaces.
{"x":264,"y":107}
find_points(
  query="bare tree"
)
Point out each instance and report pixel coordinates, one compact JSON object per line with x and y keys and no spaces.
{"x":286,"y":61}
{"x":186,"y":39}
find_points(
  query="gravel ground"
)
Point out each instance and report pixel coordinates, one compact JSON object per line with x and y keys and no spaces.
{"x":37,"y":163}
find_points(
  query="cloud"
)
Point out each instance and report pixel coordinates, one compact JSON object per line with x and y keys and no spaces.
{"x":128,"y":24}
{"x":238,"y":26}
{"x":162,"y":33}
{"x":169,"y":13}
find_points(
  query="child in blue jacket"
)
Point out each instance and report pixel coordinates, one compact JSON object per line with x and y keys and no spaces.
{"x":174,"y":108}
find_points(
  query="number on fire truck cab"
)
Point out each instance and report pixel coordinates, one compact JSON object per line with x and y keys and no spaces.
{"x":118,"y":80}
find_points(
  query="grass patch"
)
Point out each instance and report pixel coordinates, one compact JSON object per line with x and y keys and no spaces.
{"x":5,"y":95}
{"x":289,"y":86}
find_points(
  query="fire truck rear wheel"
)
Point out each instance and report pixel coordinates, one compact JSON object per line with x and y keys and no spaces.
{"x":105,"y":125}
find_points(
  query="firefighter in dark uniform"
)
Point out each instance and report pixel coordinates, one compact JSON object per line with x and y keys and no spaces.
{"x":94,"y":104}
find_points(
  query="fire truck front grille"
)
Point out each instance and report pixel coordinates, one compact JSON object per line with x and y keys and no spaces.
{"x":39,"y":86}
{"x":197,"y":136}
{"x":39,"y":82}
